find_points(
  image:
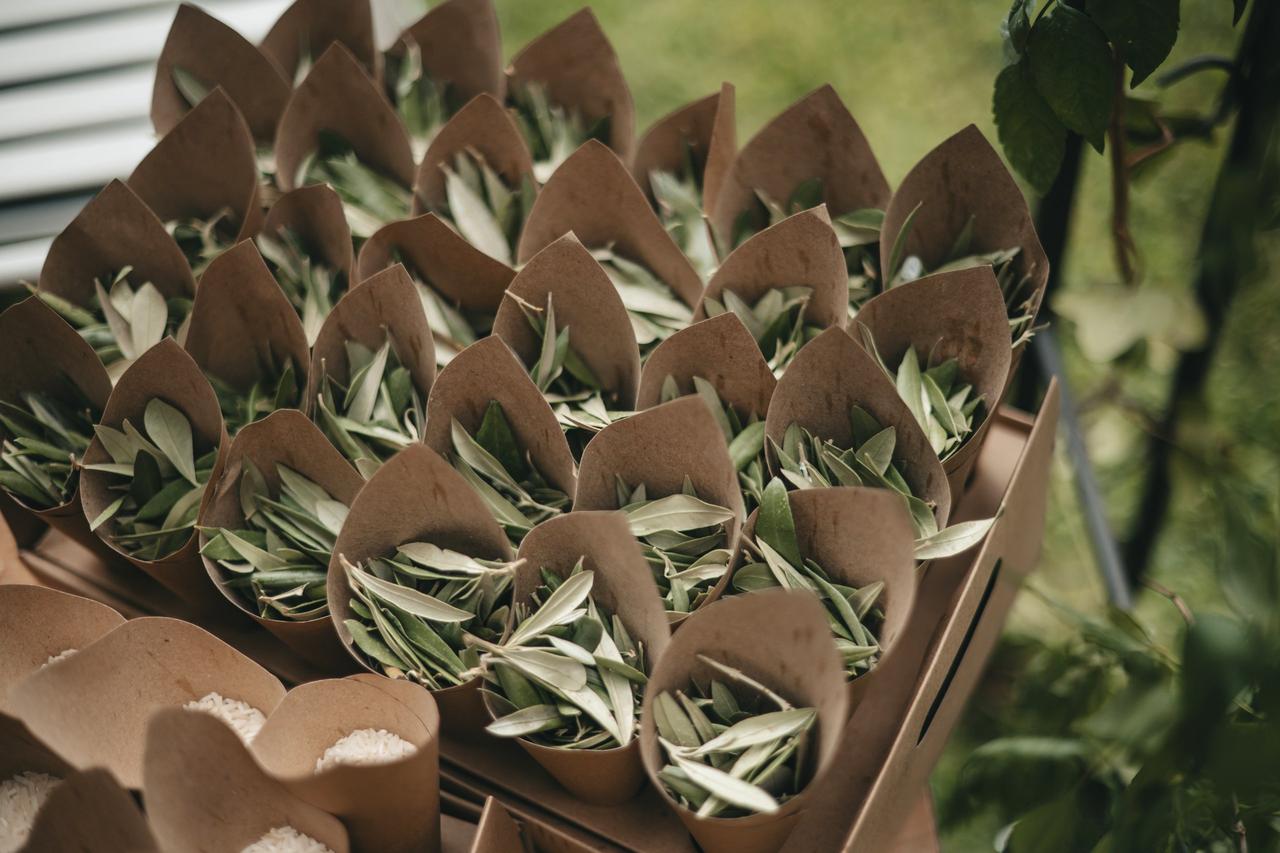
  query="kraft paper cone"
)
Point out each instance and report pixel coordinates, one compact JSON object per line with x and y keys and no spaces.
{"x":487,"y":371}
{"x":206,"y":163}
{"x":708,"y":127}
{"x":483,"y":126}
{"x":441,"y":259}
{"x":114,"y":230}
{"x":719,"y":350}
{"x":339,"y":95}
{"x":305,"y":30}
{"x":461,"y":45}
{"x":217,"y":55}
{"x":586,"y":301}
{"x":829,"y":376}
{"x":593,"y":195}
{"x":958,"y":315}
{"x":90,"y":813}
{"x":964,"y":177}
{"x":314,"y":216}
{"x":576,"y":63}
{"x":37,"y":623}
{"x":284,"y":438}
{"x":801,"y":250}
{"x":416,"y":496}
{"x":166,"y":372}
{"x":384,"y":306}
{"x":815,"y":137}
{"x":11,"y":565}
{"x":242,"y":323}
{"x":40,"y":352}
{"x":799,"y":661}
{"x":386,"y":807}
{"x":624,"y":585}
{"x":205,"y":793}
{"x":93,"y":707}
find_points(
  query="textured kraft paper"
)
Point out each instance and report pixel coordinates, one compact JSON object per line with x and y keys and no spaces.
{"x":40,"y":352}
{"x":205,"y":793}
{"x":307,"y":28}
{"x":37,"y":623}
{"x":90,"y":813}
{"x":830,"y":375}
{"x":586,"y":301}
{"x":576,"y":63}
{"x":384,"y":306}
{"x":964,"y":177}
{"x":498,"y":832}
{"x":286,"y":438}
{"x":624,"y":585}
{"x":485,"y":127}
{"x":94,"y":706}
{"x":815,"y":137}
{"x":314,"y":216}
{"x":114,"y":230}
{"x":958,"y":315}
{"x":441,"y":259}
{"x":858,"y":536}
{"x":461,"y":45}
{"x":217,"y":55}
{"x":166,"y":372}
{"x":340,"y":96}
{"x":489,"y":371}
{"x":417,"y":496}
{"x":389,"y":807}
{"x":594,"y":196}
{"x":206,"y":163}
{"x":801,"y":250}
{"x":719,"y":350}
{"x":800,"y":662}
{"x":242,"y":323}
{"x":708,"y":127}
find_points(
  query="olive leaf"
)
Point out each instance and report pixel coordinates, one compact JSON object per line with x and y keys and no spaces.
{"x":678,"y":199}
{"x":776,"y":320}
{"x":551,"y":130}
{"x":424,"y":104}
{"x":656,"y":312}
{"x":42,"y":439}
{"x":369,"y":198}
{"x":745,"y":436}
{"x":311,"y":285}
{"x":203,"y":239}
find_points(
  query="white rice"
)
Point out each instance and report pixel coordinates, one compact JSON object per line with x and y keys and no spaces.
{"x":286,"y":839}
{"x":20,"y":800}
{"x":241,"y":716}
{"x":62,"y":655}
{"x":366,"y":746}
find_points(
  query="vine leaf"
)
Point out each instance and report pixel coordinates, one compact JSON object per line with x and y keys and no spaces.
{"x":1071,"y":64}
{"x":1143,"y":31}
{"x":1030,"y":133}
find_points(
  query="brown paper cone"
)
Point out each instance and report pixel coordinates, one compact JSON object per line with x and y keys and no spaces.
{"x":206,"y":163}
{"x":284,"y":438}
{"x":90,"y":813}
{"x":800,"y":662}
{"x":815,"y":137}
{"x":384,"y":306}
{"x":114,"y":230}
{"x":461,"y":45}
{"x":487,"y":371}
{"x":593,"y":195}
{"x":830,"y":376}
{"x":801,"y":250}
{"x":206,"y":794}
{"x":484,"y":126}
{"x":217,"y":55}
{"x":38,"y":623}
{"x":167,"y":372}
{"x":624,"y":585}
{"x":707,"y":126}
{"x":417,"y":496}
{"x":314,"y":216}
{"x":441,"y":259}
{"x":339,"y":95}
{"x":719,"y":350}
{"x":964,"y":177}
{"x":12,"y":569}
{"x":305,"y":30}
{"x":385,"y":807}
{"x":957,"y":315}
{"x":586,"y":301}
{"x":94,"y":706}
{"x":39,"y":351}
{"x":242,"y":323}
{"x":576,"y":63}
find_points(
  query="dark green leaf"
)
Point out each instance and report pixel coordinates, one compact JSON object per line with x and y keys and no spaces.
{"x":1072,"y":66}
{"x":1143,"y":31}
{"x":1031,"y":135}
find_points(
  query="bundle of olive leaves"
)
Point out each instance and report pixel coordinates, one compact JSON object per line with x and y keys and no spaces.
{"x":678,"y":196}
{"x":482,"y":208}
{"x":656,"y":313}
{"x":551,"y":131}
{"x":44,"y":438}
{"x":277,"y":389}
{"x":776,"y":321}
{"x":570,"y":675}
{"x":369,"y":198}
{"x":453,"y":328}
{"x":423,"y":104}
{"x":313,"y":288}
{"x":202,"y":240}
